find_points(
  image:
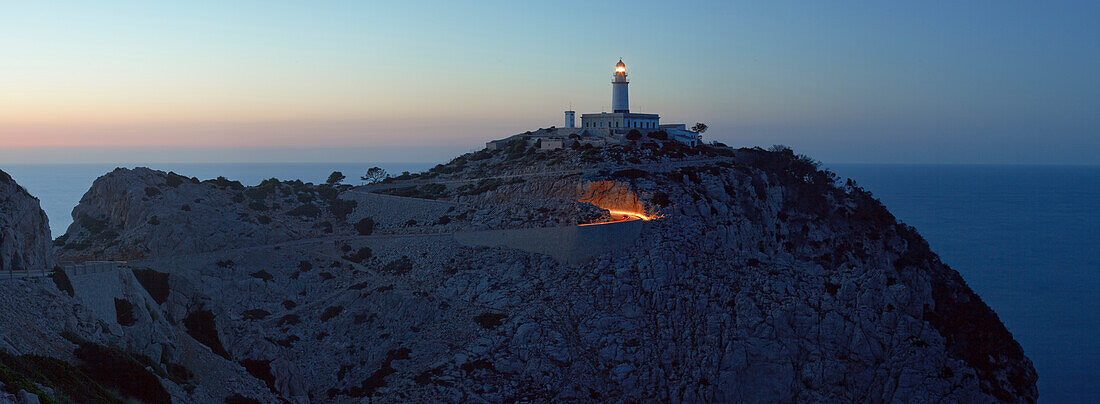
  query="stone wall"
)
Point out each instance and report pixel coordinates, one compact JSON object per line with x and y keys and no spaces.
{"x":567,"y":244}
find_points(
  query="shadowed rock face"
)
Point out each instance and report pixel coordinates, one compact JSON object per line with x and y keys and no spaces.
{"x":611,"y":195}
{"x":763,"y":280}
{"x":24,"y":229}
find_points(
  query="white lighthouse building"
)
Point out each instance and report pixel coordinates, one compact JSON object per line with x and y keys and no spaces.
{"x":619,"y":96}
{"x":606,"y":128}
{"x":620,"y":116}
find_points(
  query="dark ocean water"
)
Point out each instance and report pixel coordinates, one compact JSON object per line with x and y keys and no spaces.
{"x":1025,"y":238}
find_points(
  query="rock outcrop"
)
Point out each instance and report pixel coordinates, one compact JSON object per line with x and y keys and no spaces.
{"x":24,"y":229}
{"x":141,"y":213}
{"x":764,"y":279}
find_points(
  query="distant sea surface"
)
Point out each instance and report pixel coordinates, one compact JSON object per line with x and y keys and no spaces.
{"x":1025,"y":238}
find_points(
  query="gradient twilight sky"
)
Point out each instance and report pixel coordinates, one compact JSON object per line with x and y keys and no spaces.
{"x":842,"y":81}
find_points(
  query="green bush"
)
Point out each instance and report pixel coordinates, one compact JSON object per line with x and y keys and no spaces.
{"x":331,"y":312}
{"x":68,"y":382}
{"x":306,"y":210}
{"x":365,"y":226}
{"x":660,"y":199}
{"x":658,"y":135}
{"x":489,"y":320}
{"x":398,"y":266}
{"x":342,"y":207}
{"x":116,"y":368}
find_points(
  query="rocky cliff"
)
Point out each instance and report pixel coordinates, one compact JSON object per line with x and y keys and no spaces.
{"x":93,"y":333}
{"x":761,"y":278}
{"x":24,"y":229}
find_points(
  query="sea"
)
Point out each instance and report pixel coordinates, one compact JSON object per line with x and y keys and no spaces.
{"x":1025,"y":238}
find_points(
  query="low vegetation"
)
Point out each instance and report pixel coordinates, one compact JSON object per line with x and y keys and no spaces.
{"x":489,"y":320}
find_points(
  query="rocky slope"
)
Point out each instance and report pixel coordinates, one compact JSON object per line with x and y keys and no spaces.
{"x":143,"y":213}
{"x":24,"y":230}
{"x":94,"y":336}
{"x":761,"y":279}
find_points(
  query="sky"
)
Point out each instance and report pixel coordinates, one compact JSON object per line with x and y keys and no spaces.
{"x":955,"y":82}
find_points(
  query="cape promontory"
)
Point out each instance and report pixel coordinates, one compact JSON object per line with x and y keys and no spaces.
{"x":650,"y":271}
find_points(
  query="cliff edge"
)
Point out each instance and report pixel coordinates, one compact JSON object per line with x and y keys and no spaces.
{"x":24,"y":229}
{"x":755,"y":276}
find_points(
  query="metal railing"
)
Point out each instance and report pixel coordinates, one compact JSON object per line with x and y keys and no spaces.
{"x":90,"y":267}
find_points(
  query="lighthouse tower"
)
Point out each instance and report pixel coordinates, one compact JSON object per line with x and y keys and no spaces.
{"x":619,"y":103}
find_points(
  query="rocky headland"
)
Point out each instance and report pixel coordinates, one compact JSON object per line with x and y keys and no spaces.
{"x":718,"y":275}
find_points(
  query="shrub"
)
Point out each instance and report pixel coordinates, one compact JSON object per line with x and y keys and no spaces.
{"x":116,"y":368}
{"x":364,"y":253}
{"x":174,"y":180}
{"x":633,"y":135}
{"x":222,"y":182}
{"x":256,"y":193}
{"x":398,"y":266}
{"x":335,"y":178}
{"x":658,"y":135}
{"x":331,"y":312}
{"x":28,"y":372}
{"x":178,"y":373}
{"x":342,"y":207}
{"x":255,"y":314}
{"x":660,"y":199}
{"x":261,"y":274}
{"x":289,"y":319}
{"x":306,"y":210}
{"x":94,"y":226}
{"x":632,"y":173}
{"x":489,"y":321}
{"x":365,"y":226}
{"x":375,"y":174}
{"x":359,"y":256}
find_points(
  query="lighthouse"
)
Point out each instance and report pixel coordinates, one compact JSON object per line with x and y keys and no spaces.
{"x":619,"y":103}
{"x":618,"y":127}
